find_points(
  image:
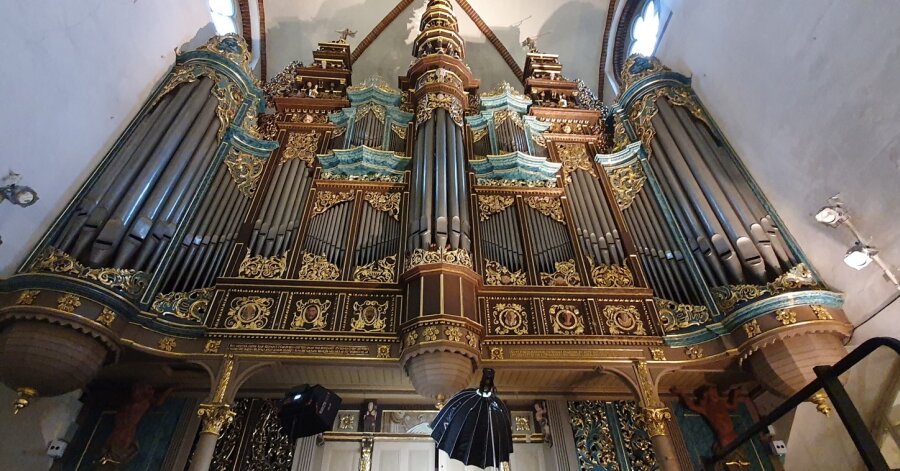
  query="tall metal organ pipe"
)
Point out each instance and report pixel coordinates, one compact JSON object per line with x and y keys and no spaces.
{"x":439,"y":215}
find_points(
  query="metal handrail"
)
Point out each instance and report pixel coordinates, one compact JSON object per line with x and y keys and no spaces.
{"x":827,"y":379}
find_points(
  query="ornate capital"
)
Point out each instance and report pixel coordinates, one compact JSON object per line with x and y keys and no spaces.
{"x":655,"y":418}
{"x":215,"y":417}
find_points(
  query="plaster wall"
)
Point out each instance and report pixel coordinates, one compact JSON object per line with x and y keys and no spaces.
{"x":806,"y":93}
{"x":73,"y":76}
{"x":24,"y":437}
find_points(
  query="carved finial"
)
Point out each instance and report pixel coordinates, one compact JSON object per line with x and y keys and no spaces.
{"x":345,"y":33}
{"x":25,"y":397}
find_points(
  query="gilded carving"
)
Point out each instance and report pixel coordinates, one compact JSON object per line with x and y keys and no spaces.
{"x":385,"y":202}
{"x":612,"y":276}
{"x":786,"y":316}
{"x":166,"y":344}
{"x":655,"y":419}
{"x":574,"y":157}
{"x":260,"y":267}
{"x":411,"y":339}
{"x":367,"y":444}
{"x":694,"y":353}
{"x":430,"y":334}
{"x":399,"y":130}
{"x":107,"y":317}
{"x":245,"y":170}
{"x":638,"y":66}
{"x":496,"y":274}
{"x":675,"y":316}
{"x":370,"y":316}
{"x":565,"y":275}
{"x":212,"y":346}
{"x":384,"y":351}
{"x":752,"y":328}
{"x":374,"y":108}
{"x":311,"y":314}
{"x":27,"y":296}
{"x":566,"y":319}
{"x":68,"y":302}
{"x":522,"y":424}
{"x":472,"y":340}
{"x":657,"y":354}
{"x":249,"y":312}
{"x":191,"y":305}
{"x":301,"y":145}
{"x":548,"y":206}
{"x":326,"y":199}
{"x":422,"y":257}
{"x":215,"y":417}
{"x":379,"y":271}
{"x":623,"y":320}
{"x":593,"y":436}
{"x":53,"y":260}
{"x":479,"y":134}
{"x":501,"y":115}
{"x":496,"y":353}
{"x":510,"y":318}
{"x":317,"y":268}
{"x":626,"y":183}
{"x":506,"y":182}
{"x":453,"y":334}
{"x":431,"y":101}
{"x":492,"y":204}
{"x":821,"y":313}
{"x":798,"y":277}
{"x":820,"y":399}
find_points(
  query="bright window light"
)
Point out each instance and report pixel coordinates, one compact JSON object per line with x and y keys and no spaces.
{"x":222,"y":7}
{"x":222,"y":13}
{"x":645,"y":30}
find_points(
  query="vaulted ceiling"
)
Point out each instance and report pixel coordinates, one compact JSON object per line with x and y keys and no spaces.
{"x":385,"y":29}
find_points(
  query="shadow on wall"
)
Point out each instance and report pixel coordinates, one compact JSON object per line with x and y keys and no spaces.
{"x":560,"y":35}
{"x":297,"y":39}
{"x":199,"y":39}
{"x":487,"y":64}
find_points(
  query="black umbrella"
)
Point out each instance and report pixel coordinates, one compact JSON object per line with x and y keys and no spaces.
{"x":475,"y":426}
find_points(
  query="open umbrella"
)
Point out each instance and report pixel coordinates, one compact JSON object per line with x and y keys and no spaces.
{"x":474,"y":427}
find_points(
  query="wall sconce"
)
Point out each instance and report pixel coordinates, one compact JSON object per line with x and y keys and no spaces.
{"x":18,"y":195}
{"x":860,"y":255}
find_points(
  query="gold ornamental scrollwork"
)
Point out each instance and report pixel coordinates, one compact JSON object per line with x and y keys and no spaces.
{"x":574,"y":157}
{"x":565,"y":275}
{"x":479,"y":134}
{"x":249,"y":312}
{"x":549,"y":206}
{"x":27,"y":296}
{"x":492,"y":204}
{"x":822,"y":313}
{"x":53,"y":260}
{"x":496,"y":274}
{"x":675,"y":316}
{"x":68,"y":303}
{"x":166,"y":344}
{"x":370,"y":316}
{"x":212,"y":346}
{"x":432,"y":101}
{"x":399,"y":130}
{"x":423,"y":257}
{"x":370,"y":107}
{"x":215,"y":417}
{"x":260,"y":267}
{"x":501,"y":116}
{"x":326,"y":199}
{"x":623,"y":320}
{"x":106,"y":317}
{"x":655,"y":419}
{"x":644,"y":110}
{"x":384,"y":351}
{"x":752,"y":328}
{"x":626,"y":183}
{"x":453,"y":333}
{"x":385,"y":202}
{"x":510,"y":318}
{"x":612,"y":276}
{"x":317,"y":268}
{"x":191,"y":305}
{"x":786,"y":316}
{"x":245,"y":170}
{"x":566,"y":319}
{"x":798,"y":277}
{"x":301,"y":145}
{"x":311,"y":314}
{"x":378,"y":271}
{"x":694,"y":352}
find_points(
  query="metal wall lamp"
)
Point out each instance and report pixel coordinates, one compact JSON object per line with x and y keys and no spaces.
{"x":19,"y":195}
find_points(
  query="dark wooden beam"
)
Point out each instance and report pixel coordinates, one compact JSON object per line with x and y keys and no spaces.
{"x":379,"y":28}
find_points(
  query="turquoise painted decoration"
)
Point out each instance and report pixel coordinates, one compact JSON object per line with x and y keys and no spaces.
{"x":362,"y":162}
{"x":516,"y":166}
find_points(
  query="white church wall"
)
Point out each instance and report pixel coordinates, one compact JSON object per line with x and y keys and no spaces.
{"x":74,"y":75}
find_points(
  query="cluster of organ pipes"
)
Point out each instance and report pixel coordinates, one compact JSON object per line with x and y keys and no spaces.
{"x":731,"y":234}
{"x":368,"y":130}
{"x":278,"y":222}
{"x":594,"y":222}
{"x":439,"y":212}
{"x":500,"y":239}
{"x":328,"y":232}
{"x":549,"y":239}
{"x":379,"y":237}
{"x":510,"y":134}
{"x":132,"y":210}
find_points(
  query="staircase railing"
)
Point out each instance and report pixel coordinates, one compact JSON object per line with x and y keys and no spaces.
{"x":827,"y":378}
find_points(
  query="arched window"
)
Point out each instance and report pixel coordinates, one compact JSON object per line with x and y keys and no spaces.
{"x":224,"y":16}
{"x":645,"y":29}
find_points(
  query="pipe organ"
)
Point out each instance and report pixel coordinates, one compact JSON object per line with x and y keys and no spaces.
{"x":429,"y":226}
